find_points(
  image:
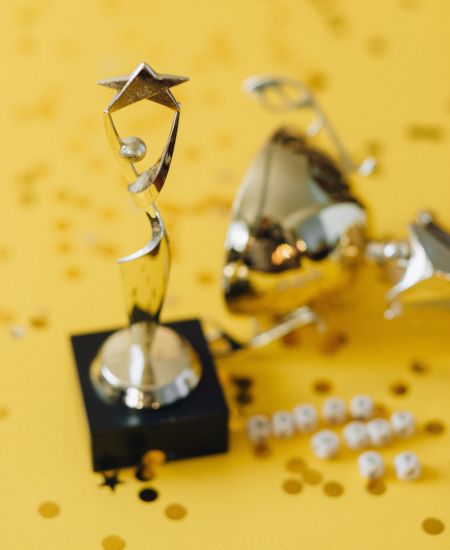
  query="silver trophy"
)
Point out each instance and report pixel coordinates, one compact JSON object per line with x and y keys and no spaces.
{"x":298,"y":231}
{"x":148,"y":386}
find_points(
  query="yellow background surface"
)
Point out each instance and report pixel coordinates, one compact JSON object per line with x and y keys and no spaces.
{"x":380,"y":70}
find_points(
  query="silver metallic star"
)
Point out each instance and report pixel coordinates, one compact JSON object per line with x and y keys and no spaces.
{"x":143,"y":83}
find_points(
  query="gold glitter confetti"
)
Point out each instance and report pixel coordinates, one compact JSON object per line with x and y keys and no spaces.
{"x":333,"y":489}
{"x":63,"y":225}
{"x":419,"y":367}
{"x":322,"y":386}
{"x":427,"y":132}
{"x":64,"y":247}
{"x":312,"y":477}
{"x":296,"y":464}
{"x":376,"y":487}
{"x":433,"y":526}
{"x":292,"y":486}
{"x":380,"y":411}
{"x":332,"y":342}
{"x":261,"y":450}
{"x":205,"y":278}
{"x":434,"y":427}
{"x":4,"y":412}
{"x":49,"y":509}
{"x":155,"y":457}
{"x":399,"y":388}
{"x":73,"y":272}
{"x":113,"y":542}
{"x":377,"y":45}
{"x":175,"y":511}
{"x":39,"y":321}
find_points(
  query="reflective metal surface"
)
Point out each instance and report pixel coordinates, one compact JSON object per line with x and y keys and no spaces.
{"x":145,"y":365}
{"x":297,"y":229}
{"x":419,"y":267}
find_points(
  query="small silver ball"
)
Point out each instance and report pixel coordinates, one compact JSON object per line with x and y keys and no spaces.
{"x":133,"y":149}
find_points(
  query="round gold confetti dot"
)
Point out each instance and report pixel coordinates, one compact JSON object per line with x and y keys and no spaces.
{"x":312,"y":477}
{"x":380,"y":411}
{"x":399,"y":388}
{"x":296,"y":464}
{"x":62,"y":225}
{"x":261,"y":450}
{"x":155,"y":457}
{"x":333,"y":489}
{"x":64,"y":247}
{"x":433,"y":526}
{"x":73,"y":272}
{"x":48,"y":509}
{"x":322,"y":386}
{"x":332,"y":342}
{"x":175,"y":511}
{"x":4,"y":412}
{"x":292,"y":486}
{"x":39,"y":321}
{"x":418,"y":367}
{"x":377,"y":45}
{"x":113,"y":542}
{"x":434,"y":427}
{"x":376,"y":487}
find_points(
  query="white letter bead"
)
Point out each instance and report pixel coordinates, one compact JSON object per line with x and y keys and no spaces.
{"x":355,"y":435}
{"x":282,"y":424}
{"x":325,"y":444}
{"x":379,"y":431}
{"x":407,"y":466}
{"x":334,"y":410}
{"x":305,"y":418}
{"x":258,"y":428}
{"x":371,"y":465}
{"x":361,"y":407}
{"x":403,"y":423}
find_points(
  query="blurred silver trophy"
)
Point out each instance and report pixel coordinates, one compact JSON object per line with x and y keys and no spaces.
{"x":298,"y":231}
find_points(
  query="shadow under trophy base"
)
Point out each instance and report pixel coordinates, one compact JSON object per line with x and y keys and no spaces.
{"x":148,"y":386}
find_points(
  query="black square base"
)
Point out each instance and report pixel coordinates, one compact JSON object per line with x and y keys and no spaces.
{"x":194,"y":426}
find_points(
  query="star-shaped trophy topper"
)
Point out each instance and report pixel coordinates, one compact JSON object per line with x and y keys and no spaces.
{"x":143,"y":83}
{"x":426,"y":279}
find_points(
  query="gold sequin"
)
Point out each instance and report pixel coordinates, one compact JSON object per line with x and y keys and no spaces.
{"x":333,"y":489}
{"x":113,"y":542}
{"x":433,"y":526}
{"x":312,"y":477}
{"x":39,"y":321}
{"x":292,"y":486}
{"x":73,"y":272}
{"x":322,"y":386}
{"x":376,"y":487}
{"x":155,"y":457}
{"x":377,"y":45}
{"x":261,"y":450}
{"x":399,"y":388}
{"x":48,"y":509}
{"x":175,"y":511}
{"x":418,"y":367}
{"x":427,"y":132}
{"x":332,"y":342}
{"x":434,"y":427}
{"x":296,"y":464}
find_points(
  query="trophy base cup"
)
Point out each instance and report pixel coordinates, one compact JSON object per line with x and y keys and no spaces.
{"x":192,"y":425}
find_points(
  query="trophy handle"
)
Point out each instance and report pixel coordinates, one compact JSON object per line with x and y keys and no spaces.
{"x":223,"y":344}
{"x":299,"y":97}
